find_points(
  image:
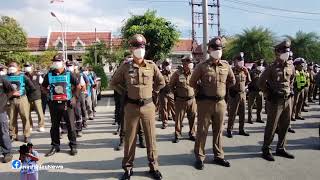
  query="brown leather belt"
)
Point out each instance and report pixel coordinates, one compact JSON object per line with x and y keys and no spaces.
{"x":139,"y":102}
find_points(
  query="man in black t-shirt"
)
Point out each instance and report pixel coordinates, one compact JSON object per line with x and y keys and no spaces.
{"x":62,"y":87}
{"x":6,"y":90}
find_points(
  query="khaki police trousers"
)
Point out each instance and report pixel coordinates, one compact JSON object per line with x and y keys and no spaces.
{"x":182,"y":107}
{"x":255,"y":97}
{"x":278,"y":115}
{"x":210,"y":112}
{"x":166,"y":103}
{"x":297,"y":103}
{"x":237,"y":105}
{"x":37,"y":106}
{"x":132,"y":116}
{"x":19,"y":106}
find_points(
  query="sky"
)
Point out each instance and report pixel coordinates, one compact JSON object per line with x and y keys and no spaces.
{"x":109,"y":15}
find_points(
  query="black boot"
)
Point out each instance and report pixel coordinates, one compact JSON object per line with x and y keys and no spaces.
{"x":120,"y":146}
{"x":156,"y":174}
{"x":290,"y":130}
{"x":243,"y":133}
{"x":142,"y":142}
{"x":259,"y":120}
{"x":52,"y":151}
{"x":176,"y":139}
{"x":221,"y":162}
{"x":199,"y":165}
{"x":268,"y":156}
{"x":229,"y":134}
{"x":127,"y":175}
{"x":7,"y":158}
{"x":73,"y":151}
{"x":284,"y":153}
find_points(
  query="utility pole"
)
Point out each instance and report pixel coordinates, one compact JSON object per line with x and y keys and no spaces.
{"x":205,"y":27}
{"x":198,"y":18}
{"x":95,"y":47}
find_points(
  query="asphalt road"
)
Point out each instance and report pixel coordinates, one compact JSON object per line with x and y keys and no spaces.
{"x":98,"y":160}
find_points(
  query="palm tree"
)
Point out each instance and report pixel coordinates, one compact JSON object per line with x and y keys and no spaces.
{"x":256,"y":43}
{"x":305,"y":45}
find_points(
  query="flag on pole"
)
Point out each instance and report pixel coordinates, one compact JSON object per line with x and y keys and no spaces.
{"x":53,"y":1}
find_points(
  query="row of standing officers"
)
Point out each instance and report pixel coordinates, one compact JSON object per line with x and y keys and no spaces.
{"x":201,"y":93}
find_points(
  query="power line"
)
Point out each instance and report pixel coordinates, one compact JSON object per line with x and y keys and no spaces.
{"x":270,"y":7}
{"x":275,"y":15}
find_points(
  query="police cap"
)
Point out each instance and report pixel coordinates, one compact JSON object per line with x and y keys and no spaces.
{"x":283,"y":47}
{"x":138,"y":41}
{"x":215,"y":43}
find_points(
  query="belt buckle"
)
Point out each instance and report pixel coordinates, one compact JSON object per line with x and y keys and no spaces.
{"x":141,"y":102}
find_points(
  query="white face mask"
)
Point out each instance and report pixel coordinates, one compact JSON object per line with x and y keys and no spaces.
{"x":240,"y":63}
{"x":2,"y":73}
{"x":190,"y":66}
{"x":285,"y":56}
{"x":12,"y":70}
{"x":168,"y":68}
{"x":216,"y":54}
{"x":260,"y":68}
{"x":70,"y":68}
{"x":57,"y":64}
{"x":139,"y":53}
{"x":28,"y":69}
{"x":86,"y":72}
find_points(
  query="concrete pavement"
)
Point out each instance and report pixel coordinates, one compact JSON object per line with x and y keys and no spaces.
{"x":98,"y":160}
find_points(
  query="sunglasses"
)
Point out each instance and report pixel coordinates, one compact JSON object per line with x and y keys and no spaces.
{"x":138,"y":45}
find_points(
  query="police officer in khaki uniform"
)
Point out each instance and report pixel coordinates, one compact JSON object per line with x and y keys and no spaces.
{"x":140,"y":77}
{"x":184,"y":98}
{"x":237,"y":96}
{"x":276,"y":82}
{"x":211,"y":79}
{"x":166,"y":98}
{"x":255,"y":95}
{"x":312,"y":81}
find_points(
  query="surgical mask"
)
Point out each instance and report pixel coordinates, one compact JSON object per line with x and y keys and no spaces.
{"x":190,"y":66}
{"x":28,"y":69}
{"x":139,"y":53}
{"x":216,"y":54}
{"x":284,"y":56}
{"x":57,"y":64}
{"x":240,"y":63}
{"x":168,"y":68}
{"x":260,"y":68}
{"x":86,"y":72}
{"x":12,"y":70}
{"x":2,"y":73}
{"x":70,"y":68}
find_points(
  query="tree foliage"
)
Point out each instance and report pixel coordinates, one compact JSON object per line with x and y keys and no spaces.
{"x":13,"y":39}
{"x":306,"y":45}
{"x":256,"y":43}
{"x":160,"y":33}
{"x":102,"y":52}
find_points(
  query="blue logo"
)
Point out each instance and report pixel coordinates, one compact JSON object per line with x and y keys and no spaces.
{"x":16,"y":164}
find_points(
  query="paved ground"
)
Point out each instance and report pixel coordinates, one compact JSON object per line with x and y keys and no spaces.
{"x":98,"y":160}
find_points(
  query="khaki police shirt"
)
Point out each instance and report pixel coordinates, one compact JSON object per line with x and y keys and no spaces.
{"x":180,"y":85}
{"x":279,"y":77}
{"x":255,"y":75}
{"x":139,"y":81}
{"x":242,"y":79}
{"x":213,"y":79}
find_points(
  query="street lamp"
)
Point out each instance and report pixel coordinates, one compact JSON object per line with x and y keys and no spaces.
{"x":62,"y":34}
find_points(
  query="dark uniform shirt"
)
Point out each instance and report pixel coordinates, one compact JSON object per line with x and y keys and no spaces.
{"x":34,"y":95}
{"x":5,"y":88}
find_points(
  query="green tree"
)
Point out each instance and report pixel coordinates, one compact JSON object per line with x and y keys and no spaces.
{"x":102,"y":52}
{"x":256,"y":43}
{"x":160,"y":33}
{"x":13,"y":39}
{"x":44,"y":60}
{"x":306,"y":45}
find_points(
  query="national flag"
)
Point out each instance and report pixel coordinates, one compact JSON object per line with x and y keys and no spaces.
{"x":53,"y":1}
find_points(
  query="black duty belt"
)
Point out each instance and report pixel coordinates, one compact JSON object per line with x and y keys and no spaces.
{"x":184,"y":98}
{"x":139,"y":102}
{"x":16,"y":97}
{"x":211,"y":98}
